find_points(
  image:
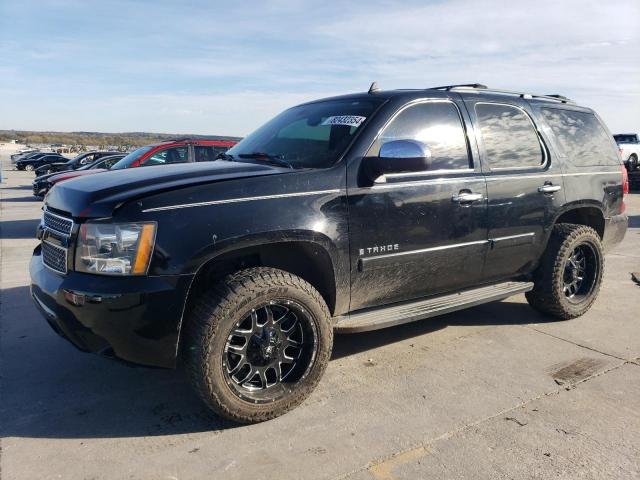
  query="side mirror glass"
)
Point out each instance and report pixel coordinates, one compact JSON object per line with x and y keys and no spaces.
{"x":400,"y":156}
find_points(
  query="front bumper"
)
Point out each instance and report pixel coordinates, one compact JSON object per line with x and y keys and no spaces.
{"x":615,"y":228}
{"x":40,"y":189}
{"x":136,"y":319}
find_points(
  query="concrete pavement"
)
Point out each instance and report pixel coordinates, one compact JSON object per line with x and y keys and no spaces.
{"x":497,"y":391}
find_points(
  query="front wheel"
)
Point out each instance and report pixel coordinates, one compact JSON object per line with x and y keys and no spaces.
{"x":568,"y":279}
{"x":29,"y":168}
{"x":633,"y":163}
{"x":257,"y":344}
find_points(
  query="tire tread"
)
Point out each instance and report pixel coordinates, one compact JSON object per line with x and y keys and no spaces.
{"x":203,"y":324}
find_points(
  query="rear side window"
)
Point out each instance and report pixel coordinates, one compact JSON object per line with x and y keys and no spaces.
{"x":204,"y":154}
{"x":436,"y":124}
{"x":581,"y":137}
{"x":169,"y":155}
{"x":509,"y":137}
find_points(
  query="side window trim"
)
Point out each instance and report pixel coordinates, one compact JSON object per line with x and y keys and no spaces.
{"x":428,"y":173}
{"x":543,"y":146}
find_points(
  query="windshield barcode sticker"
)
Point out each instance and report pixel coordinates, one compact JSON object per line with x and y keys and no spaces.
{"x":349,"y":120}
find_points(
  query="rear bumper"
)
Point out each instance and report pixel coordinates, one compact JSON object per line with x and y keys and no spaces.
{"x":135,"y":319}
{"x":615,"y":228}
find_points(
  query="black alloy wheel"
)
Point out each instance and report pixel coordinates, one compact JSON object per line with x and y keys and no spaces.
{"x":568,"y":279}
{"x":256,"y":343}
{"x":580,"y":272}
{"x":272,"y":346}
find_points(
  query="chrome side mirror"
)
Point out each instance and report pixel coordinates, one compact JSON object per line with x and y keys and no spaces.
{"x":400,"y":156}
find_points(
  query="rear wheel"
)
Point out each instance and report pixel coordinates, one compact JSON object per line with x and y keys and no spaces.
{"x":568,"y":279}
{"x":257,"y":344}
{"x":633,"y":163}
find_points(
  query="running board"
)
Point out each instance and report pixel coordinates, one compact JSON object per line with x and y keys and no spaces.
{"x":397,"y":314}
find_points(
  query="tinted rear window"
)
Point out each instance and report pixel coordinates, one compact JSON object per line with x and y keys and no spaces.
{"x":581,"y":137}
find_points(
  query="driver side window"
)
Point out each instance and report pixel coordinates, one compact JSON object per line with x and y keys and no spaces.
{"x":435,"y":124}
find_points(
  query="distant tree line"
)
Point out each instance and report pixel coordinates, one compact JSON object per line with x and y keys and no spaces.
{"x":80,"y":139}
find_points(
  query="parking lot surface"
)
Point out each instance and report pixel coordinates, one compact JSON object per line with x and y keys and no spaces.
{"x":497,"y":391}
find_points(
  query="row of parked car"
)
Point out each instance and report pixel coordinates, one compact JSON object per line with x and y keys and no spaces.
{"x":52,"y":168}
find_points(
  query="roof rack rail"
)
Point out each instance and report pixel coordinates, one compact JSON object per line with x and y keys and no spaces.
{"x":484,"y":88}
{"x":462,"y":85}
{"x":558,"y":97}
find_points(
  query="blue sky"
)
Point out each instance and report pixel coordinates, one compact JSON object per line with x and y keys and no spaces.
{"x":224,"y":68}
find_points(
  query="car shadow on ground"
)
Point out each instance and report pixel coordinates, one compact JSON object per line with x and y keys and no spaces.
{"x":52,"y":390}
{"x":19,"y":228}
{"x":21,"y":199}
{"x":19,"y":187}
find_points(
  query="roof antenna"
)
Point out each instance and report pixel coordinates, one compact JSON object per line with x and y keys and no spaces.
{"x":374,"y":88}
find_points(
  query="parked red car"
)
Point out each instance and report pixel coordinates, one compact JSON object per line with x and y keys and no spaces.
{"x":184,"y":150}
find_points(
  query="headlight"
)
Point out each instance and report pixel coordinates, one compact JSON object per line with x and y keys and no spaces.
{"x":115,"y":248}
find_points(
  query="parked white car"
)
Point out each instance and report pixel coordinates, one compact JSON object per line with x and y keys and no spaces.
{"x":629,"y":146}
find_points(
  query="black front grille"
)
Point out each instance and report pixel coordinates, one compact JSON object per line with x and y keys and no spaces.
{"x":54,"y":257}
{"x":57,"y":223}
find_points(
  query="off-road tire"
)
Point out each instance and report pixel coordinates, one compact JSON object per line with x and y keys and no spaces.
{"x":214,"y":313}
{"x":548,"y":295}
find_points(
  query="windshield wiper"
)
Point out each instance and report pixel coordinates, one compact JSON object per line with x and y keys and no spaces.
{"x":273,"y":159}
{"x":225,"y":156}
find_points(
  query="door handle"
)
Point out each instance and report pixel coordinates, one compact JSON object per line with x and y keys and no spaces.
{"x":466,"y":197}
{"x":549,"y":188}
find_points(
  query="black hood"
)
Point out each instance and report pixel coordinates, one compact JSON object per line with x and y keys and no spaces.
{"x":41,"y":178}
{"x":98,"y":195}
{"x":68,"y":163}
{"x":55,"y":165}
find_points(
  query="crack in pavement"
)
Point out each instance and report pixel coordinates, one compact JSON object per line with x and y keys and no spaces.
{"x":382,"y":466}
{"x":577,"y":344}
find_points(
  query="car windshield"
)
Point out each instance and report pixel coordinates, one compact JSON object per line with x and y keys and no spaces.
{"x":313,"y":135}
{"x":132,"y":157}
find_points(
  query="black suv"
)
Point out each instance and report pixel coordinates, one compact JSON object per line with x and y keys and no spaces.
{"x":345,"y":214}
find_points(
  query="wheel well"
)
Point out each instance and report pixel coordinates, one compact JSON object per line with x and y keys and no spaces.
{"x":307,"y":260}
{"x":589,"y":216}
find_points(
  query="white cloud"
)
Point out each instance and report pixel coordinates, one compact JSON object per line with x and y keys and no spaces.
{"x":225,"y":68}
